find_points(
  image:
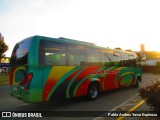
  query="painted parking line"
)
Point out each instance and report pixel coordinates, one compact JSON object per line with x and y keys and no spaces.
{"x":23,"y":104}
{"x":124,"y":104}
{"x":132,"y":109}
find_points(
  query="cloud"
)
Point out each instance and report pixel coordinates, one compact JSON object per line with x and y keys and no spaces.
{"x":38,"y":3}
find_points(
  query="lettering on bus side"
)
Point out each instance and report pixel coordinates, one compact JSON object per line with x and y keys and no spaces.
{"x":103,"y":71}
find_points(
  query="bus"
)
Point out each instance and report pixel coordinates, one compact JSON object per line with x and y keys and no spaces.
{"x":44,"y":69}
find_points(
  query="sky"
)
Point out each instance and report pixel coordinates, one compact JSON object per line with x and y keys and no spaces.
{"x":108,"y":23}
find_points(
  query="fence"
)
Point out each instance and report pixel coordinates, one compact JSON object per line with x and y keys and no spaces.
{"x":151,"y":69}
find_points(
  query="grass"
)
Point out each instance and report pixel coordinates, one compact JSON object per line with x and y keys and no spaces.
{"x":4,"y":79}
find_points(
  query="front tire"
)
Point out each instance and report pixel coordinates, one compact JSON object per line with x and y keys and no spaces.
{"x":93,"y":91}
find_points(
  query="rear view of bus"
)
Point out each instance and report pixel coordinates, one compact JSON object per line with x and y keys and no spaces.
{"x":20,"y":72}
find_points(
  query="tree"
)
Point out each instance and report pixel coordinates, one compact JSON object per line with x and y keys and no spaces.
{"x":3,"y":47}
{"x":151,"y":95}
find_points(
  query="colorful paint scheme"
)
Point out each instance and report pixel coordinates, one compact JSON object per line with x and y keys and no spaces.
{"x":44,"y":69}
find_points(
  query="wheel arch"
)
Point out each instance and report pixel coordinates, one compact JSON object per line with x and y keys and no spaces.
{"x":93,"y":89}
{"x":139,"y":77}
{"x":92,"y":81}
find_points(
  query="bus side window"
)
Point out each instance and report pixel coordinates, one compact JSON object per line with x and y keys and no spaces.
{"x":76,"y":55}
{"x":131,"y":61}
{"x":105,"y":57}
{"x":52,"y":53}
{"x":124,"y":59}
{"x":93,"y":57}
{"x":116,"y":58}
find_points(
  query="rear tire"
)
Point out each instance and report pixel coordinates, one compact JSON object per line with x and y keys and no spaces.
{"x":93,"y":91}
{"x":137,"y":83}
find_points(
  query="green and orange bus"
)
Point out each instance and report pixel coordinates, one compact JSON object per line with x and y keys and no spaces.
{"x":44,"y":69}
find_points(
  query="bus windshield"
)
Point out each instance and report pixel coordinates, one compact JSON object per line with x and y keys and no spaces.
{"x":20,"y":53}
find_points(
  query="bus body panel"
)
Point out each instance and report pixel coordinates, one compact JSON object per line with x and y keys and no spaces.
{"x":39,"y":82}
{"x":19,"y":75}
{"x":71,"y":81}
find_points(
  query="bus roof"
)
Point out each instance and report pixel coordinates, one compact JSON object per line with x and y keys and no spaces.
{"x":76,"y":41}
{"x":67,"y":40}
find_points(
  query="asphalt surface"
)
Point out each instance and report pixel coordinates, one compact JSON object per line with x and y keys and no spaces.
{"x":134,"y":108}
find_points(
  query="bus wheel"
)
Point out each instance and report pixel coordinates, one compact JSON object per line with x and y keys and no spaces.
{"x":137,"y":83}
{"x":93,"y":91}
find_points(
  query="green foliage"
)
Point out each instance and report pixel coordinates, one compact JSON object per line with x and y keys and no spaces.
{"x":3,"y":46}
{"x":151,"y":94}
{"x":4,"y":79}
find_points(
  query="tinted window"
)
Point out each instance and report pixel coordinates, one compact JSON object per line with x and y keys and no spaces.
{"x":131,"y":56}
{"x":128,"y":59}
{"x":20,"y":53}
{"x":52,"y":53}
{"x":124,"y":56}
{"x":105,"y":56}
{"x":76,"y":55}
{"x":116,"y":56}
{"x":132,"y":59}
{"x":93,"y":57}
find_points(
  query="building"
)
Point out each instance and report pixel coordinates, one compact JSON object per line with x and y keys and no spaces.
{"x":5,"y":62}
{"x":150,"y":58}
